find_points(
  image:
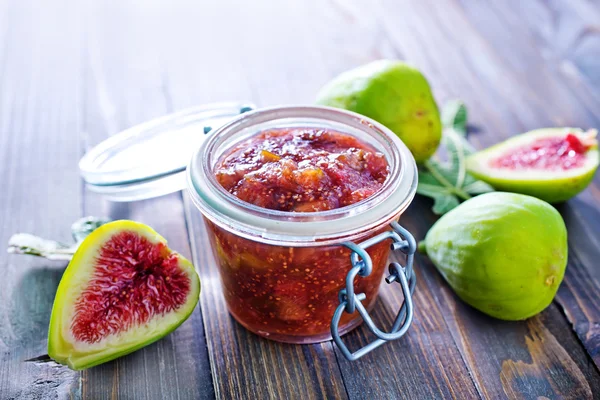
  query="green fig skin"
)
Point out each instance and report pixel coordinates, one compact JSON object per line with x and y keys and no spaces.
{"x":504,"y":254}
{"x":550,"y":186}
{"x":555,"y":191}
{"x":394,"y":94}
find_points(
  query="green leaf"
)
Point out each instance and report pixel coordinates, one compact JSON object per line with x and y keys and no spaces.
{"x":454,"y":115}
{"x":478,"y":187}
{"x":453,"y":141}
{"x":443,"y":204}
{"x":449,"y":182}
{"x":456,"y":156}
{"x":426,"y":178}
{"x":443,"y":199}
{"x":84,"y":226}
{"x":432,"y":190}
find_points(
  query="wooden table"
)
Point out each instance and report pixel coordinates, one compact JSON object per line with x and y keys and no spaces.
{"x":74,"y":72}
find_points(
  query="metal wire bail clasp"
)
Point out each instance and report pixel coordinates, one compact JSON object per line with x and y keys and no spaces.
{"x":362,"y":266}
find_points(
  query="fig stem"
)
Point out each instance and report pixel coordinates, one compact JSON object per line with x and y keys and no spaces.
{"x":458,"y":192}
{"x":422,"y":247}
{"x":24,"y":243}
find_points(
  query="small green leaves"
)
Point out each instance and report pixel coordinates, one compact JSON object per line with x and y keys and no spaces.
{"x":447,"y":183}
{"x":454,"y":115}
{"x":84,"y":226}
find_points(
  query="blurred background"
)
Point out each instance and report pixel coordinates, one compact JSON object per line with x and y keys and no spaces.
{"x":79,"y":71}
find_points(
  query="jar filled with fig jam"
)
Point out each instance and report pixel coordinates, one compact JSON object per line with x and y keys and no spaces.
{"x":302,"y":204}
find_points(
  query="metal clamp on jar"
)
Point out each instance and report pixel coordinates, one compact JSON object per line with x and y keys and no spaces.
{"x":362,"y":265}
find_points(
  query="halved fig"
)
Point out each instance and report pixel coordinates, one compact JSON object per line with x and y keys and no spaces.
{"x":552,"y":164}
{"x":123,"y":289}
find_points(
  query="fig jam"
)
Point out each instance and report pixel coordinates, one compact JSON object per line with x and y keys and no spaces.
{"x":290,"y":293}
{"x":302,"y":170}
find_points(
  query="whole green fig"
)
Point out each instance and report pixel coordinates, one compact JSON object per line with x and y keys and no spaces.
{"x":503,"y":253}
{"x":394,"y":94}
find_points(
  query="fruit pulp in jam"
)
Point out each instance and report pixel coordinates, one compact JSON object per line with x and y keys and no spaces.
{"x":290,"y":293}
{"x":302,"y":170}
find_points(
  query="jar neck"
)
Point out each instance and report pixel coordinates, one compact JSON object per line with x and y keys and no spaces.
{"x":299,"y":228}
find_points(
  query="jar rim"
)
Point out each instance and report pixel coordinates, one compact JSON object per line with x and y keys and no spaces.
{"x":301,"y":228}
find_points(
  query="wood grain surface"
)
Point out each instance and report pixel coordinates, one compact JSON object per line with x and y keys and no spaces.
{"x":75,"y":72}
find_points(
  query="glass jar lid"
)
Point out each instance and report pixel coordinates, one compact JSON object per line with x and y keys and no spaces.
{"x":302,"y":228}
{"x":149,"y":159}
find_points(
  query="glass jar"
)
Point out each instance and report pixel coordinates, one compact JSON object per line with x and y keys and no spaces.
{"x":285,"y":275}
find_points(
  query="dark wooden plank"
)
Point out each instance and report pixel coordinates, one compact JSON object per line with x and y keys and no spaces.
{"x":426,"y":363}
{"x":566,"y":34}
{"x":523,"y":359}
{"x":413,"y":367}
{"x":40,"y":186}
{"x":555,"y":91}
{"x":553,"y":57}
{"x":247,"y":366}
{"x":176,"y":366}
{"x":244,"y":365}
{"x":125,"y":86}
{"x":580,"y":303}
{"x":363,"y":18}
{"x":462,"y":63}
